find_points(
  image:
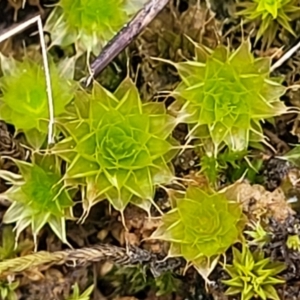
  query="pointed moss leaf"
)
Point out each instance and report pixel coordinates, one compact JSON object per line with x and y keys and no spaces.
{"x":171,"y":220}
{"x":242,"y":56}
{"x":122,"y":148}
{"x":162,"y":125}
{"x":24,"y":98}
{"x":47,"y":162}
{"x":190,"y":68}
{"x":263,"y":64}
{"x":13,"y":213}
{"x":22,"y":223}
{"x":196,"y":195}
{"x":86,"y":145}
{"x":84,"y":296}
{"x":220,"y":53}
{"x":129,"y":97}
{"x":252,"y":274}
{"x":190,"y":253}
{"x":293,"y":156}
{"x":158,"y":147}
{"x":58,"y":225}
{"x":97,"y":185}
{"x":41,"y":198}
{"x":25,"y":168}
{"x":205,"y":223}
{"x":81,"y":167}
{"x":143,"y":180}
{"x":119,"y":178}
{"x":144,"y":204}
{"x":205,"y":266}
{"x":107,"y":98}
{"x":271,"y":292}
{"x":116,"y":199}
{"x":78,"y":126}
{"x":38,"y":222}
{"x":7,"y":249}
{"x":178,"y":230}
{"x":227,"y":102}
{"x":154,"y":108}
{"x":162,"y":172}
{"x":65,"y":144}
{"x":66,"y":67}
{"x":35,"y":137}
{"x":175,"y":250}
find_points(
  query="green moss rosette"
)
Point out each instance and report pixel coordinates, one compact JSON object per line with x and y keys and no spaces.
{"x":117,"y":147}
{"x":24,"y":100}
{"x":38,"y":197}
{"x":253,"y":275}
{"x":224,"y":96}
{"x":201,"y":225}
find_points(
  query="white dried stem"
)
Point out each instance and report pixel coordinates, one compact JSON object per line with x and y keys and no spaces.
{"x":48,"y":82}
{"x":17,"y":29}
{"x":285,"y":57}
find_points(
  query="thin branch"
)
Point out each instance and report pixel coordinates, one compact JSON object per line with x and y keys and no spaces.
{"x":125,"y":36}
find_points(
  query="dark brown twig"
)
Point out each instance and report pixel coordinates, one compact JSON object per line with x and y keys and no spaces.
{"x":125,"y":36}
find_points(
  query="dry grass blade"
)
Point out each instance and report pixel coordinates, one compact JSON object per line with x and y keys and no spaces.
{"x":75,"y":257}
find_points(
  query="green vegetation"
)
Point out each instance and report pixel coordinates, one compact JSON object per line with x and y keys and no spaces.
{"x":24,"y":101}
{"x":117,"y":146}
{"x":269,"y":15}
{"x":224,"y":95}
{"x":293,"y":242}
{"x":202,"y":225}
{"x":84,"y":296}
{"x":259,"y":236}
{"x":178,"y":180}
{"x":7,"y":290}
{"x":253,"y":275}
{"x":38,"y":196}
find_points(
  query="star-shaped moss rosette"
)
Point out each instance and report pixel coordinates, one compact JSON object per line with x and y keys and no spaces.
{"x":202,"y":225}
{"x":38,"y":197}
{"x":117,"y":146}
{"x":253,"y":275}
{"x":24,"y":101}
{"x":89,"y":24}
{"x":270,"y":15}
{"x":224,"y":96}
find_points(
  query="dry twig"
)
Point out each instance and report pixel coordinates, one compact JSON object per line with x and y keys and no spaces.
{"x":83,"y":256}
{"x":125,"y":36}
